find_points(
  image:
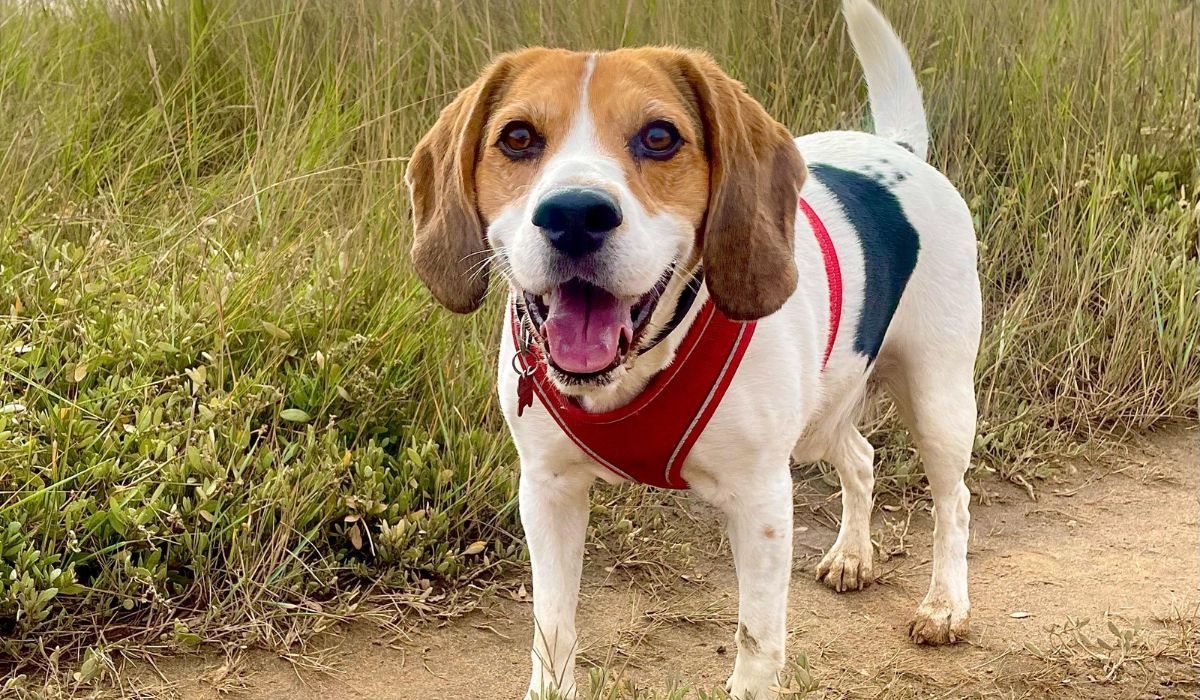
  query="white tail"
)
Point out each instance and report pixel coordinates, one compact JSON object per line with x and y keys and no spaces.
{"x":891,"y":83}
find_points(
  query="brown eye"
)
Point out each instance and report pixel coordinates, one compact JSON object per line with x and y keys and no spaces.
{"x":658,"y":140}
{"x":519,"y":140}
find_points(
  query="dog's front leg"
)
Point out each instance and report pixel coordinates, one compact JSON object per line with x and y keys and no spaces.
{"x":554,"y":513}
{"x":759,"y":512}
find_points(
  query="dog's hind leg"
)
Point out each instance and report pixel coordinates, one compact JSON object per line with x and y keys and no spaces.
{"x":937,"y":402}
{"x":848,"y":566}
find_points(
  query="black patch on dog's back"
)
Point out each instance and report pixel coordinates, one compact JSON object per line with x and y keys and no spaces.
{"x":889,"y":243}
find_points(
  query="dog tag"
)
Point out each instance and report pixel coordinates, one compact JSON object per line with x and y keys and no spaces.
{"x":524,"y":393}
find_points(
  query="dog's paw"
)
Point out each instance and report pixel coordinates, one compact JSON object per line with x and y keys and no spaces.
{"x":755,"y":675}
{"x":844,"y":570}
{"x":551,"y":690}
{"x":565,"y":694}
{"x":939,"y":622}
{"x":746,"y":689}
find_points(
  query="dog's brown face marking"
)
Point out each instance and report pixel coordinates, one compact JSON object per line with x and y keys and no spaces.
{"x":698,"y":169}
{"x":626,"y":91}
{"x":631,"y":90}
{"x":543,"y":93}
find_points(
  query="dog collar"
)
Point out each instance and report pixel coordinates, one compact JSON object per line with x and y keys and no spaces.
{"x":649,"y":439}
{"x":687,"y":297}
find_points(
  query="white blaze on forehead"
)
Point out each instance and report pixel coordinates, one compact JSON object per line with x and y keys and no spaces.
{"x":589,"y":69}
{"x":583,"y":127}
{"x":580,"y":160}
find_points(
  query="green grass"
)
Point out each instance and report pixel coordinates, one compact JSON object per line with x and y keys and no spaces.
{"x":227,"y":407}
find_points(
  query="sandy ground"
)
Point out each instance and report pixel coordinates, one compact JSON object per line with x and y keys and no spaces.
{"x":1089,"y":591}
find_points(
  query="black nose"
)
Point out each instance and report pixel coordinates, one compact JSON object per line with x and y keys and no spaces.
{"x":576,"y":221}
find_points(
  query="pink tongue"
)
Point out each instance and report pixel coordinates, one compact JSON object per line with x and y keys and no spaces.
{"x":583,"y":328}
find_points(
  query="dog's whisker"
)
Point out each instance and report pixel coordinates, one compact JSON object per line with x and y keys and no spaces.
{"x":480,"y":267}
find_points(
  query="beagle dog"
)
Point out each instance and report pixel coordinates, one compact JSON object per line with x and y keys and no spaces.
{"x":620,"y":195}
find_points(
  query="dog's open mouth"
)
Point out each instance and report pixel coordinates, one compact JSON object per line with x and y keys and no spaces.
{"x":587,"y":330}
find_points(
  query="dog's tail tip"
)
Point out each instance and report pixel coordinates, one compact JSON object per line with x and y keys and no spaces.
{"x":891,"y":82}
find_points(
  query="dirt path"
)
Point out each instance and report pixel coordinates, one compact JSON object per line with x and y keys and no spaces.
{"x":1113,"y":545}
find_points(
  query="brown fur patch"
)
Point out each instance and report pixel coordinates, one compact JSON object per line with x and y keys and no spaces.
{"x":449,"y":250}
{"x":629,"y":89}
{"x":546,"y":94}
{"x":755,"y":175}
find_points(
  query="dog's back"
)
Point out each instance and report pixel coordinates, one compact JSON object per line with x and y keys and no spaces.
{"x":904,"y":236}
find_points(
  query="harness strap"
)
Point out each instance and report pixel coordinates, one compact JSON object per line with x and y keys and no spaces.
{"x":833,"y":275}
{"x":649,"y":439}
{"x":687,"y":296}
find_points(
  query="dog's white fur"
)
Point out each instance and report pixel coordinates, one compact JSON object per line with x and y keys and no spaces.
{"x":780,"y":404}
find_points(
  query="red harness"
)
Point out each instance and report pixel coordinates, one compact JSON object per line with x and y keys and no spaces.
{"x":649,"y":439}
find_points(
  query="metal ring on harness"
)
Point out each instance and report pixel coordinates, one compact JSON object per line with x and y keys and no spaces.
{"x":518,"y":365}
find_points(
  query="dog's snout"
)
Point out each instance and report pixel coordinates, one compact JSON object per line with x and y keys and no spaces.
{"x":576,"y":221}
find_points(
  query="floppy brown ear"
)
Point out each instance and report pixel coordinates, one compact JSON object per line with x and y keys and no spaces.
{"x":755,"y":175}
{"x":449,"y":248}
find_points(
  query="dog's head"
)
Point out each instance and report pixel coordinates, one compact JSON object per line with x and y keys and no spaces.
{"x":591,"y":183}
